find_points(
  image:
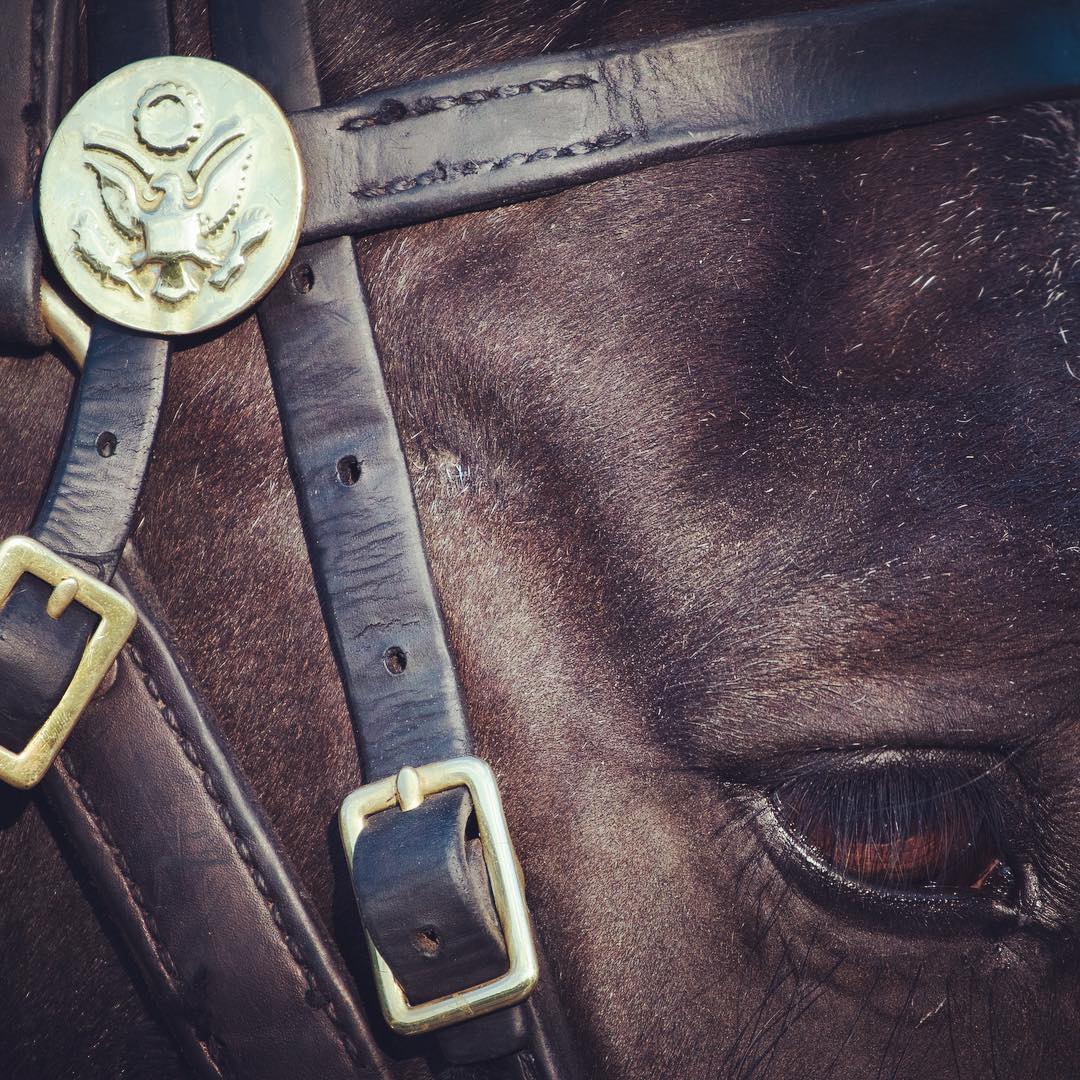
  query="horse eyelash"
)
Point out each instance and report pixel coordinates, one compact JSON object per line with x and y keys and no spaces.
{"x":886,"y":802}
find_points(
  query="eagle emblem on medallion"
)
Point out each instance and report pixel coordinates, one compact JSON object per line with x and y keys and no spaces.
{"x":172,"y":216}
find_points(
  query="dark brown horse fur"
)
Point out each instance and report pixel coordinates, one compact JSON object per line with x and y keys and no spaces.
{"x":720,"y":465}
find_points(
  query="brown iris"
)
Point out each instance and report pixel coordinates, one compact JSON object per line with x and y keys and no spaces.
{"x":899,"y":827}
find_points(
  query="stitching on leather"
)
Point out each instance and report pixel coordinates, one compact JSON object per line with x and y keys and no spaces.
{"x":212,"y":1046}
{"x":393,"y":110}
{"x":316,"y":998}
{"x":449,"y":172}
{"x":37,"y":70}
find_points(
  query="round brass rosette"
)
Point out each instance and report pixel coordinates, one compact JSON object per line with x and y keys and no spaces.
{"x":172,"y":195}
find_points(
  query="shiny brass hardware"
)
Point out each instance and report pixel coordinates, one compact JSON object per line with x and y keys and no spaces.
{"x":20,"y":555}
{"x":407,"y":790}
{"x":172,"y":194}
{"x":64,"y":325}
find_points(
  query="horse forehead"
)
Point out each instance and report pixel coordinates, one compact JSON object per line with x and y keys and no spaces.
{"x":816,"y":388}
{"x":839,"y":304}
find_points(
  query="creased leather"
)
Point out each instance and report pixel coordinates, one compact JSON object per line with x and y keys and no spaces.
{"x":376,"y":591}
{"x":373,"y":581}
{"x":85,"y":517}
{"x":31,"y":50}
{"x":363,"y":538}
{"x":148,"y":795}
{"x":501,"y":134}
{"x":87,"y":511}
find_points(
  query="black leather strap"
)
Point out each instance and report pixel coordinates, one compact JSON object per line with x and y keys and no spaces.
{"x":356,"y":503}
{"x":381,"y":612}
{"x":414,"y":873}
{"x":87,"y":512}
{"x":32,"y":41}
{"x":529,"y":127}
{"x":85,"y":517}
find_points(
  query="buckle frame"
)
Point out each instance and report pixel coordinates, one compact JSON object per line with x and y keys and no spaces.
{"x":21,"y":555}
{"x":407,"y":790}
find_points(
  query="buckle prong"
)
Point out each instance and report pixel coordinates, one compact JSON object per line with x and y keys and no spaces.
{"x":407,"y":790}
{"x":409,"y":793}
{"x":64,"y":591}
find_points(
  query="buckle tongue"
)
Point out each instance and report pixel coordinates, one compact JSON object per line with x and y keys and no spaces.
{"x":407,"y":790}
{"x":20,"y":555}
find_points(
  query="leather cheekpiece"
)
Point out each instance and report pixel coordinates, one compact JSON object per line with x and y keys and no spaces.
{"x":379,"y":604}
{"x":155,"y":807}
{"x":414,"y":872}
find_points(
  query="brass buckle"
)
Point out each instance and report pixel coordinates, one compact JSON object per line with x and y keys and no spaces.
{"x":20,"y":555}
{"x":407,"y":790}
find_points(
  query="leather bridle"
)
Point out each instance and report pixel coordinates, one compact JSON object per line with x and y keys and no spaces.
{"x":248,"y":981}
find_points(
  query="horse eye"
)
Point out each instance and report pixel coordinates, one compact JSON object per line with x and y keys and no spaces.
{"x":902,"y":826}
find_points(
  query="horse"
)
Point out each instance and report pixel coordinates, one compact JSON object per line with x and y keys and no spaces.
{"x":747,"y":486}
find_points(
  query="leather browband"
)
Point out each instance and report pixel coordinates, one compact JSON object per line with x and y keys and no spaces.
{"x":530,"y":127}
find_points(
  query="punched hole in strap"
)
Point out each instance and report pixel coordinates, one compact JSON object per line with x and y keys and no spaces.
{"x":302,"y":278}
{"x":395,"y":660}
{"x":426,"y":941}
{"x":349,"y":470}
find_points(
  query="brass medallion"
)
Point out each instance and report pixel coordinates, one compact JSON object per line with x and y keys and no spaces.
{"x":172,"y":195}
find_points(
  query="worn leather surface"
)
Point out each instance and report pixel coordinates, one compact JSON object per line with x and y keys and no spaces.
{"x":85,"y":517}
{"x":377,"y":595}
{"x":412,"y":871}
{"x":502,"y":134}
{"x":170,"y":833}
{"x":363,"y":538}
{"x":31,"y":56}
{"x":87,"y":511}
{"x":371,"y":572}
